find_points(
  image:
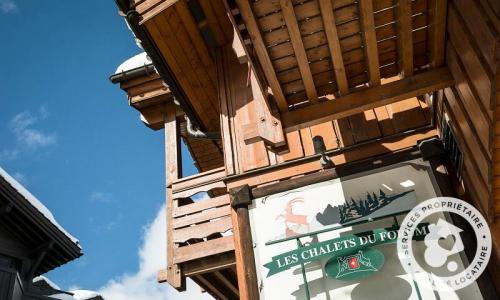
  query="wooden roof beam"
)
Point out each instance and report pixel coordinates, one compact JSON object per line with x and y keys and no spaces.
{"x":366,"y":99}
{"x":227,"y":283}
{"x":298,"y":48}
{"x":437,"y":29}
{"x":405,"y":39}
{"x":212,"y":21}
{"x":370,"y":41}
{"x":332,"y":37}
{"x":261,"y":51}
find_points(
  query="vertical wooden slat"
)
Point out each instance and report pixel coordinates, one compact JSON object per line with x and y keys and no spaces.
{"x":224,"y":113}
{"x":334,"y":45}
{"x":298,"y":47}
{"x":208,"y":9}
{"x":370,"y":40}
{"x":405,"y":39}
{"x":261,"y":51}
{"x":437,"y":27}
{"x":173,"y":171}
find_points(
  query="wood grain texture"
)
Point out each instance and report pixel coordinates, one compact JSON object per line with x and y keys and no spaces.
{"x":405,"y":38}
{"x":334,"y":45}
{"x":298,"y":46}
{"x":370,"y":41}
{"x":261,"y":51}
{"x":367,"y":99}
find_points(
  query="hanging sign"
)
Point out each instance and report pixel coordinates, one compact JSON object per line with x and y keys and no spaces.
{"x":339,"y":247}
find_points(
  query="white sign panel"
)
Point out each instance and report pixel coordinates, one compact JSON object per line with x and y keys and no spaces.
{"x":282,"y":222}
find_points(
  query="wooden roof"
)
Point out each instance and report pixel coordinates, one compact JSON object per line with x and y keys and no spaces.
{"x":317,"y":48}
{"x":306,"y":51}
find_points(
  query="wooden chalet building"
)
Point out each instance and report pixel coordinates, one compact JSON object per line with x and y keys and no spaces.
{"x":376,"y":100}
{"x":31,"y":244}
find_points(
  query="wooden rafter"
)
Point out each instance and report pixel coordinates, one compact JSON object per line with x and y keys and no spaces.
{"x":298,"y":47}
{"x":367,"y":99}
{"x":211,"y":287}
{"x":208,"y":9}
{"x":370,"y":40}
{"x":334,"y":45}
{"x":227,"y":282}
{"x":405,"y":39}
{"x":262,"y":54}
{"x":437,"y":28}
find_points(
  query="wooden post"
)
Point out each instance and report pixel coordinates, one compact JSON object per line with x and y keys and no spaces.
{"x":245,"y":260}
{"x":173,"y":171}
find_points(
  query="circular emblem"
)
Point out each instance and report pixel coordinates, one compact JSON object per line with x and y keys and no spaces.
{"x":437,"y":256}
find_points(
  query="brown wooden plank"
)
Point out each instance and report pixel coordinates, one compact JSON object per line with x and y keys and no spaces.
{"x":473,"y":105}
{"x":482,"y":32}
{"x":364,"y":126}
{"x":466,"y":130}
{"x":298,"y":46}
{"x":227,"y":283}
{"x":201,"y":217}
{"x":334,"y":45}
{"x":261,"y":51}
{"x":294,"y":149}
{"x":327,"y":132}
{"x":202,"y":230}
{"x":204,"y":249}
{"x":384,"y":121}
{"x":370,"y":150}
{"x":268,"y":126}
{"x":367,"y":99}
{"x":480,"y":77}
{"x":243,"y":112}
{"x":406,"y":114}
{"x":437,"y":28}
{"x":344,"y":131}
{"x":187,"y":19}
{"x":201,"y":206}
{"x":207,"y":7}
{"x":370,"y":41}
{"x":211,"y":287}
{"x":405,"y":40}
{"x":172,"y":172}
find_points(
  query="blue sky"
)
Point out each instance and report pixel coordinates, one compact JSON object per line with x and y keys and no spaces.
{"x":69,"y":136}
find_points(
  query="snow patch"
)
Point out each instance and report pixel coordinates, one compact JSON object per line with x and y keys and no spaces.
{"x":36,"y":204}
{"x":137,"y":61}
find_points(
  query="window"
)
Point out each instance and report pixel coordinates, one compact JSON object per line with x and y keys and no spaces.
{"x":451,"y":147}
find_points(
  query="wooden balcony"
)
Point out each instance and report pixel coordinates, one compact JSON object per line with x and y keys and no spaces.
{"x":200,"y":234}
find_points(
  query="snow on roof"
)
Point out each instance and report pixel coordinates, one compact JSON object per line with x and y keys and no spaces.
{"x":85,"y":294}
{"x":42,"y":280}
{"x":36,"y":204}
{"x":137,"y":61}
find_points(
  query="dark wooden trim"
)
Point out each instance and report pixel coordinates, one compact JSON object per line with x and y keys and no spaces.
{"x":240,"y":196}
{"x":340,"y":171}
{"x":243,"y":244}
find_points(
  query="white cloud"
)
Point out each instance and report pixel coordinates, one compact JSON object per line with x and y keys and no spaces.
{"x":22,"y":127}
{"x":8,"y":6}
{"x":103,"y":197}
{"x":27,"y":137}
{"x":142,"y":285}
{"x":8,"y":154}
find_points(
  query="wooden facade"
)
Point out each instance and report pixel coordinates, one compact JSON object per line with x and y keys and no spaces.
{"x":371,"y":77}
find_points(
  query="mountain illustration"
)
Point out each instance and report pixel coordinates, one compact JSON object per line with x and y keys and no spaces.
{"x":372,"y":205}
